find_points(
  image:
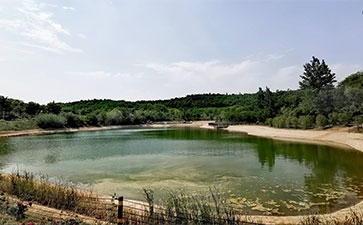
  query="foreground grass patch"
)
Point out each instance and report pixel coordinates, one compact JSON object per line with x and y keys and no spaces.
{"x":59,"y":195}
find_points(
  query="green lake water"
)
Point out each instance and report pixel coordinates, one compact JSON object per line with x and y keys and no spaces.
{"x":262,"y":176}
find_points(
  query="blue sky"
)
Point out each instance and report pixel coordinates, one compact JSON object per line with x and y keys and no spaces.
{"x":66,"y":50}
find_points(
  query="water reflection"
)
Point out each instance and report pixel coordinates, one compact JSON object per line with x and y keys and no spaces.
{"x":264,"y":175}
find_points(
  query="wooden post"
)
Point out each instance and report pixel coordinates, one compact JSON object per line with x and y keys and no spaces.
{"x":120,"y":220}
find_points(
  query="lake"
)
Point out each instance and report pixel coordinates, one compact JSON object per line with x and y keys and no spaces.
{"x":260,"y":175}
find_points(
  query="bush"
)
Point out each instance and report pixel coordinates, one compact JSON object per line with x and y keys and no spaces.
{"x":279,"y":122}
{"x":306,"y":122}
{"x":358,"y":121}
{"x":101,"y":117}
{"x":344,"y":118}
{"x":292,"y":122}
{"x":115,"y":117}
{"x":333,"y":118}
{"x":321,"y":121}
{"x":50,"y":121}
{"x":72,"y":120}
{"x":24,"y":124}
{"x":269,"y":122}
{"x":91,"y":120}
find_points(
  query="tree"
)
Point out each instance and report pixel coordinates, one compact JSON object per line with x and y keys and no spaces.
{"x":321,"y":121}
{"x":32,"y":108}
{"x":47,"y":121}
{"x":306,"y":122}
{"x":54,"y":108}
{"x":260,"y":98}
{"x":317,"y":76}
{"x":4,"y":106}
{"x":353,"y":81}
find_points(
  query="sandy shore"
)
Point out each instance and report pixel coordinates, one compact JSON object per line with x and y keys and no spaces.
{"x":35,"y":132}
{"x":335,"y":136}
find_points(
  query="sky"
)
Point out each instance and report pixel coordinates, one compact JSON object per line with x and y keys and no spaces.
{"x":68,"y":50}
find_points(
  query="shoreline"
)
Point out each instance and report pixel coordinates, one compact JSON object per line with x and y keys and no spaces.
{"x":337,"y":136}
{"x":37,"y":132}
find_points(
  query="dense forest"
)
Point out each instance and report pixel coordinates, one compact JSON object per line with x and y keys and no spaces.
{"x":319,"y":102}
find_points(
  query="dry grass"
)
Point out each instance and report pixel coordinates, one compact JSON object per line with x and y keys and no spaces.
{"x":57,"y":195}
{"x":177,"y":208}
{"x":354,"y":218}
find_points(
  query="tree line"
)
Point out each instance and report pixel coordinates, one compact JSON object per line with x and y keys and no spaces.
{"x":317,"y":103}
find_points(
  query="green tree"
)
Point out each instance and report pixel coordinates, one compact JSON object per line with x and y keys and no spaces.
{"x":72,"y":120}
{"x":353,"y":81}
{"x":306,"y":122}
{"x":321,"y":121}
{"x":317,"y":76}
{"x":32,"y":108}
{"x":54,"y":108}
{"x":358,"y":121}
{"x":4,"y":107}
{"x":47,"y":121}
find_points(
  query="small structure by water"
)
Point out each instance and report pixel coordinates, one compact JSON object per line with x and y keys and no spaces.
{"x":218,"y":126}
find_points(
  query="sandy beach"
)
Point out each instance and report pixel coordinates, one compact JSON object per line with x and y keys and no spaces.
{"x":338,"y":136}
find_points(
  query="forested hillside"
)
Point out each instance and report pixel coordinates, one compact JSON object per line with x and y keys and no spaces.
{"x":318,"y":103}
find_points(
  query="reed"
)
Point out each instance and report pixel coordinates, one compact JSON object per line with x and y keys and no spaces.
{"x":59,"y":195}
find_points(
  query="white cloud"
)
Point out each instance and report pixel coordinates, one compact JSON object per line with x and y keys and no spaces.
{"x":198,"y":72}
{"x":82,"y":36}
{"x":33,"y":22}
{"x":244,"y":76}
{"x":343,"y":70}
{"x":9,"y":52}
{"x":105,"y":75}
{"x":68,"y":8}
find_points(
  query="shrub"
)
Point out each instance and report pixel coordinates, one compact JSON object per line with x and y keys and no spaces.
{"x":292,"y":122}
{"x":333,"y":118}
{"x":24,"y":124}
{"x":91,"y":120}
{"x":115,"y":117}
{"x":269,"y":122}
{"x":344,"y":118}
{"x":321,"y":121}
{"x":101,"y":117}
{"x":50,"y":121}
{"x":72,"y":120}
{"x":306,"y":122}
{"x":279,"y":122}
{"x":358,"y":121}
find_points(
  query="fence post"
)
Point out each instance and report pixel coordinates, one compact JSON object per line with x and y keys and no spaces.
{"x":120,"y":220}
